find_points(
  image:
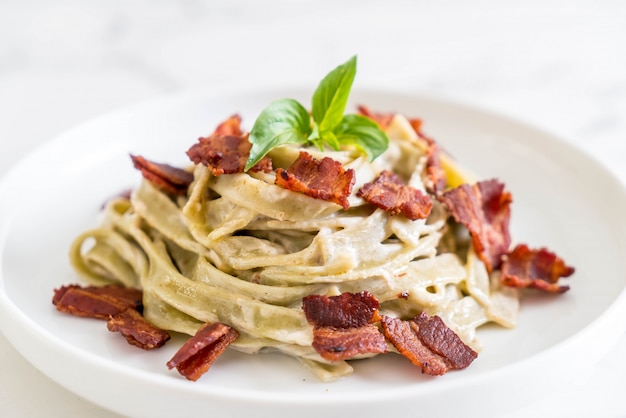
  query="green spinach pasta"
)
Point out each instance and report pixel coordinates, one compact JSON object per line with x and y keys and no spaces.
{"x":241,"y":250}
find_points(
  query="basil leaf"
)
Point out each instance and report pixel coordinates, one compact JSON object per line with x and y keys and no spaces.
{"x":331,"y":96}
{"x":284,"y":121}
{"x":362,"y":133}
{"x":331,"y":140}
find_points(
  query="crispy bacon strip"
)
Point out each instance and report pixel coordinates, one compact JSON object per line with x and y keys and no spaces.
{"x":226,"y":150}
{"x":389,"y":193}
{"x":416,"y":124}
{"x":170,"y":179}
{"x":484,"y":209}
{"x":222,"y":154}
{"x":99,"y":302}
{"x":342,"y":325}
{"x":231,"y":126}
{"x":403,"y":336}
{"x":539,"y":269}
{"x":435,"y":175}
{"x":348,"y":310}
{"x":324,"y":179}
{"x":343,"y":343}
{"x":382,"y":119}
{"x":199,"y":352}
{"x":440,"y":339}
{"x":137,"y":330}
{"x":117,"y":304}
{"x":428,"y":343}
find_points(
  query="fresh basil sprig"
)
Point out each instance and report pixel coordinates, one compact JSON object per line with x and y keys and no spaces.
{"x":286,"y":121}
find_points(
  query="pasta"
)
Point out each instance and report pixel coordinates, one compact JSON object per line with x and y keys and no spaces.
{"x":241,"y":250}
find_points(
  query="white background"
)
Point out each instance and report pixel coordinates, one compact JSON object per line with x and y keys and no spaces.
{"x":560,"y":65}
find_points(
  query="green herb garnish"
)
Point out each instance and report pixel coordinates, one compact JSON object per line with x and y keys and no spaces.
{"x":286,"y":121}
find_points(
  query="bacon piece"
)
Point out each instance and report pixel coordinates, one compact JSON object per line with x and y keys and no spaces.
{"x":435,"y":174}
{"x":99,"y":302}
{"x":416,"y":124}
{"x":343,"y":343}
{"x":382,"y":119}
{"x":342,"y":325}
{"x":440,"y":339}
{"x":535,"y":268}
{"x":231,"y":126}
{"x":389,"y":193}
{"x":348,"y":310}
{"x":137,"y":330}
{"x":226,"y":150}
{"x":428,"y":343}
{"x":484,"y":209}
{"x":324,"y":179}
{"x":222,"y":154}
{"x":199,"y":352}
{"x":170,"y":179}
{"x":117,"y":304}
{"x":403,"y":336}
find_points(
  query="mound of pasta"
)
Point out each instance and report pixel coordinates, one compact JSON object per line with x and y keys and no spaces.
{"x":239,"y":249}
{"x":321,"y":236}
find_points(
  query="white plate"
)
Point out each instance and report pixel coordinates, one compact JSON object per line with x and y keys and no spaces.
{"x":562,"y":199}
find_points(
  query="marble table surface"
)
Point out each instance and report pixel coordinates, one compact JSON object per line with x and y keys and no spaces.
{"x":559,"y":65}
